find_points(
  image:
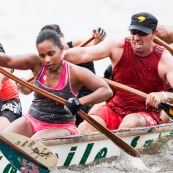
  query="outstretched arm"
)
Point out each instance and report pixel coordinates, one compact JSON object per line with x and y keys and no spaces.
{"x":20,"y":62}
{"x":112,"y":49}
{"x":78,"y":55}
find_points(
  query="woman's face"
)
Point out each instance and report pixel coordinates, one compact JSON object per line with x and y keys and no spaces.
{"x":50,"y":54}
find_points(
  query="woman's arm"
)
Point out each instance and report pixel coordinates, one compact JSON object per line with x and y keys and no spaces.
{"x":20,"y":62}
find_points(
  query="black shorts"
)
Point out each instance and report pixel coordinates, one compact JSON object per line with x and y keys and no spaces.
{"x":11,"y":109}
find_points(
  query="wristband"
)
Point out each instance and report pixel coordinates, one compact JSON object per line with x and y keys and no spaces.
{"x":73,"y":105}
{"x":165,"y":97}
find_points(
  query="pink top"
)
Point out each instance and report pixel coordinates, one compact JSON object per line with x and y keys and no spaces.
{"x":61,"y":84}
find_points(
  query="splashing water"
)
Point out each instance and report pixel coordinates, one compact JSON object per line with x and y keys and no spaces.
{"x":128,"y":164}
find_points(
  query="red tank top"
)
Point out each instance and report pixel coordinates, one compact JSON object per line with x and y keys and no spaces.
{"x":137,"y":72}
{"x":9,"y":90}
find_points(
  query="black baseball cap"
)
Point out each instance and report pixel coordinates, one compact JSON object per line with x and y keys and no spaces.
{"x":144,"y":21}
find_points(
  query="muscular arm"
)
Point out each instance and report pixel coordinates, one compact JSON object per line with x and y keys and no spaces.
{"x":108,"y":48}
{"x":165,"y":33}
{"x":20,"y":62}
{"x":101,"y":90}
{"x":165,"y":69}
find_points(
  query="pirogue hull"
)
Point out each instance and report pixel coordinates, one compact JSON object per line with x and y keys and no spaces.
{"x":86,"y":149}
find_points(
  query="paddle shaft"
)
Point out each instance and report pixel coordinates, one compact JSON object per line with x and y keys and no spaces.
{"x":126,"y":88}
{"x":115,"y":139}
{"x":167,"y":108}
{"x":87,"y":41}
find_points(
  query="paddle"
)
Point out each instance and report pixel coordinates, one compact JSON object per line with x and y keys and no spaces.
{"x":26,"y":154}
{"x":167,"y":108}
{"x":115,"y":139}
{"x":86,"y":42}
{"x":162,"y":43}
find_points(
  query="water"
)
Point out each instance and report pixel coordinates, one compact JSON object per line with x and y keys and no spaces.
{"x":21,"y":21}
{"x":157,"y":158}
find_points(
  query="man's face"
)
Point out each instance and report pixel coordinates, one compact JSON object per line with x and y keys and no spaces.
{"x":142,"y":43}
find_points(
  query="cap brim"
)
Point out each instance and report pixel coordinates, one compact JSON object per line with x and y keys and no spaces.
{"x":141,"y":28}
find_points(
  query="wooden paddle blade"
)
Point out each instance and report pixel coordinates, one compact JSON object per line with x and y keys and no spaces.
{"x":26,"y":154}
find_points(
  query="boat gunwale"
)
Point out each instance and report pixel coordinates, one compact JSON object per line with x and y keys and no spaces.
{"x":96,"y":136}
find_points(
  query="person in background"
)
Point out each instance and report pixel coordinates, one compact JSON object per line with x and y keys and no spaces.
{"x":10,"y":106}
{"x":108,"y":72}
{"x":99,"y":35}
{"x":47,"y":118}
{"x":136,"y":62}
{"x":165,"y":33}
{"x":108,"y":75}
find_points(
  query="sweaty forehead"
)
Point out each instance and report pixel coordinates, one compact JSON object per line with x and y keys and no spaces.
{"x":47,"y":43}
{"x":47,"y":46}
{"x":55,"y":47}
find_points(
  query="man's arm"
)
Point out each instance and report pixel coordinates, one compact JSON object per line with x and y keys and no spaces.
{"x":80,"y":55}
{"x":165,"y":70}
{"x":107,"y":48}
{"x":165,"y":33}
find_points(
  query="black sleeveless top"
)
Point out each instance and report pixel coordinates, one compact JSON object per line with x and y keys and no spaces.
{"x":47,"y":110}
{"x":89,"y":65}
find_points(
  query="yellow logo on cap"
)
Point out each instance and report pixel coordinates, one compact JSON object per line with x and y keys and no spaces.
{"x":141,"y":18}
